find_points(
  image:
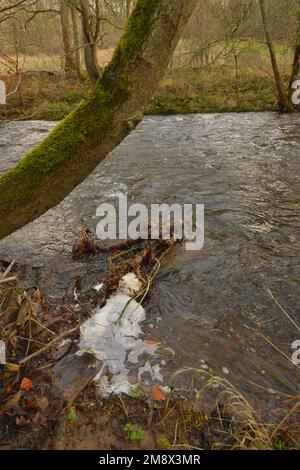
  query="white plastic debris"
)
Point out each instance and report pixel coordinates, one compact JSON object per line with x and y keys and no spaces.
{"x":112,"y":335}
{"x":2,"y":353}
{"x":98,"y":286}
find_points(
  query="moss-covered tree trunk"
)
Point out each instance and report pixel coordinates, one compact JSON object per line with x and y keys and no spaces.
{"x":113,"y":107}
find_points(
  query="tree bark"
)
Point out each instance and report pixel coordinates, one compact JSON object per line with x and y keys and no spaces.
{"x":77,"y":42}
{"x":296,"y":62}
{"x":67,"y":37}
{"x":112,"y":109}
{"x":283,"y":103}
{"x":128,"y":8}
{"x":296,"y":65}
{"x":90,"y":46}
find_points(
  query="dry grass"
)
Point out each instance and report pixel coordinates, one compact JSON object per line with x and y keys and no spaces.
{"x":50,"y":63}
{"x":231,"y":422}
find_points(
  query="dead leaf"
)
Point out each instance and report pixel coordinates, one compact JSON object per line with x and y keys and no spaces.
{"x":31,"y":404}
{"x":24,"y":312}
{"x":13,"y":368}
{"x":43,"y":404}
{"x":26,"y":385}
{"x":157,"y":394}
{"x":22,"y":421}
{"x":8,"y":388}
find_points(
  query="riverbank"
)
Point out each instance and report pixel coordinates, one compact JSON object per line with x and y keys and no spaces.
{"x":49,"y":96}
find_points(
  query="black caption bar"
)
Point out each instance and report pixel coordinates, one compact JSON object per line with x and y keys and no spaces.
{"x":142,"y":459}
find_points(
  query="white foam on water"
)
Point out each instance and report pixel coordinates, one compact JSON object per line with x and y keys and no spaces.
{"x":113,"y":335}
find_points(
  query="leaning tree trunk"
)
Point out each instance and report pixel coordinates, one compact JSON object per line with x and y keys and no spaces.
{"x":113,"y":107}
{"x":67,"y":37}
{"x":283,"y":103}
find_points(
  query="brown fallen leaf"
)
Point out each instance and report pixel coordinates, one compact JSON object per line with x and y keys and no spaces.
{"x":151,"y":341}
{"x":31,"y":404}
{"x":22,"y":421}
{"x":12,"y":368}
{"x":8,"y":388}
{"x":26,"y":385}
{"x":157,"y":394}
{"x":43,"y":404}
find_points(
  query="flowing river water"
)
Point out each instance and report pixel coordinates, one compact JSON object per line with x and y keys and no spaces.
{"x":212,"y":307}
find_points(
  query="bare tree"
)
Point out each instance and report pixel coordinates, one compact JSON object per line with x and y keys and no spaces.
{"x":283,"y":103}
{"x":91,"y":32}
{"x":67,"y":36}
{"x":77,"y":41}
{"x":296,"y":61}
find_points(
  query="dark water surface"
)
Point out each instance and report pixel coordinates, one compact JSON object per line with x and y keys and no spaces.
{"x":207,"y":306}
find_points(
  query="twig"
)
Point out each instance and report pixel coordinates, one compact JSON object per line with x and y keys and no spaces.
{"x":43,"y":326}
{"x":29,"y":340}
{"x":276,"y":348}
{"x":32,"y":340}
{"x":8,"y":279}
{"x":282,"y":309}
{"x":47,"y":346}
{"x":7,"y":271}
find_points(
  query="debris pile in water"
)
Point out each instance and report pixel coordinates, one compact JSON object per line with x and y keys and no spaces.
{"x":113,"y":333}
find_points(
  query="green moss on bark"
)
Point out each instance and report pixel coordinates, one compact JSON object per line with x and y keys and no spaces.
{"x":138,"y":28}
{"x":88,"y":121}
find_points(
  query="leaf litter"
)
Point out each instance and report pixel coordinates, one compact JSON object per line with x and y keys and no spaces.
{"x":36,"y":333}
